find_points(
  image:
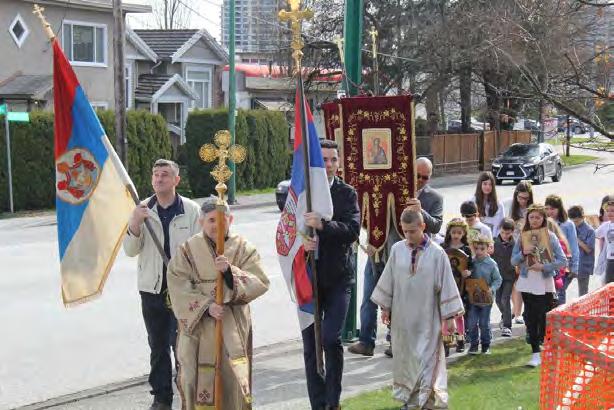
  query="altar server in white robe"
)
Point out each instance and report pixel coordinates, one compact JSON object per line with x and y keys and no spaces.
{"x":417,"y":293}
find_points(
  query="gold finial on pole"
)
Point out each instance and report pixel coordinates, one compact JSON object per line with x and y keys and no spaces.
{"x":295,"y":16}
{"x":374,"y":35}
{"x":222,"y":150}
{"x":38,"y":11}
{"x":339,"y":42}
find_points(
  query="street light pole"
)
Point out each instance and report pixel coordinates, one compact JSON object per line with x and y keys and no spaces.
{"x":353,"y":69}
{"x":232,"y":96}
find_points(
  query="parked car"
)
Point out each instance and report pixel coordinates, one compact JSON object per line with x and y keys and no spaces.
{"x":281,"y":193}
{"x":576,"y":126}
{"x":528,"y":161}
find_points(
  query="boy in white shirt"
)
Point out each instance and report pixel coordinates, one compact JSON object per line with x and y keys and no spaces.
{"x":476,"y":228}
{"x":605,"y":239}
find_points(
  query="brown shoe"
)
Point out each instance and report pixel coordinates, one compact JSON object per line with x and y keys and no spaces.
{"x":360,"y":348}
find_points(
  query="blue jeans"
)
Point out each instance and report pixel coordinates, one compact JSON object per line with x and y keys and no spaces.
{"x":368,"y":309}
{"x":334,"y":303}
{"x":161,"y":328}
{"x":562,"y":293}
{"x":479,"y":316}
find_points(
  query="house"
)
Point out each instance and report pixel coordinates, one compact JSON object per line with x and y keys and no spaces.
{"x":84,"y":28}
{"x":173,"y":72}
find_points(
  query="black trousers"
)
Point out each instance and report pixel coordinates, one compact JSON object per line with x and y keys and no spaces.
{"x":609,"y":272}
{"x":504,"y":295}
{"x":161,"y":328}
{"x":334,"y":304}
{"x":535,"y":309}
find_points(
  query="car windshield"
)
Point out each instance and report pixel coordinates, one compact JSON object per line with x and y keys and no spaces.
{"x":522,"y":150}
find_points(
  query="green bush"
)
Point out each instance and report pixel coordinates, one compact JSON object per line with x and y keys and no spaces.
{"x":263,"y":133}
{"x":33,"y":157}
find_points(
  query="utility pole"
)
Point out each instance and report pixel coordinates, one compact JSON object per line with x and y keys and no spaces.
{"x":232,"y":96}
{"x":353,"y":69}
{"x":374,"y":35}
{"x":119,"y":71}
{"x":9,"y":168}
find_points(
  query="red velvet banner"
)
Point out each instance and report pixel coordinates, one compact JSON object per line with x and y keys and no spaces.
{"x":377,"y":147}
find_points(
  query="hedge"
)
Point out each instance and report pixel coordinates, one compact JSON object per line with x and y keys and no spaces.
{"x":32,"y":156}
{"x":263,"y":133}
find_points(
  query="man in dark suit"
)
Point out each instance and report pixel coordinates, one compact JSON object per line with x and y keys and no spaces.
{"x":333,"y":244}
{"x":430,"y":203}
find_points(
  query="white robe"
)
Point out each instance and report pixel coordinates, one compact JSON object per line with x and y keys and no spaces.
{"x":419,"y":302}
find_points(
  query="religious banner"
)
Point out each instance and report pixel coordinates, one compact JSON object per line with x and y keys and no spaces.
{"x":377,"y":150}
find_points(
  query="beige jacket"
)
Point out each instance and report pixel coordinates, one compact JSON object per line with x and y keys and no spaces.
{"x":183,"y":226}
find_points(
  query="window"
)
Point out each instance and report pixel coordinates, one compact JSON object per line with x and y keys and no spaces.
{"x":128,"y":81}
{"x":199,"y":78}
{"x":18,"y":30}
{"x":85,"y":43}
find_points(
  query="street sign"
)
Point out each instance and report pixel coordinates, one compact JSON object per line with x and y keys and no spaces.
{"x":19,"y":117}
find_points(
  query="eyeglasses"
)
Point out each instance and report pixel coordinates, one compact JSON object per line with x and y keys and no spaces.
{"x":423,"y":177}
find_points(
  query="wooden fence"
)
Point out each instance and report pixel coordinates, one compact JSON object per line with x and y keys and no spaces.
{"x":467,"y":152}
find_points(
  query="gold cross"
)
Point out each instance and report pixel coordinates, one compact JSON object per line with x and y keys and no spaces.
{"x":339,"y":42}
{"x":221,"y":172}
{"x":374,"y":35}
{"x":46,"y":26}
{"x":295,"y":16}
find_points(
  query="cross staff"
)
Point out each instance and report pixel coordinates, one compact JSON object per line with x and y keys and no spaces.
{"x":222,"y":151}
{"x":374,"y":34}
{"x":38,"y":11}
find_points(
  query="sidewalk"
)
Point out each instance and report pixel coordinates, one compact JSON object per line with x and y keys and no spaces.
{"x":279,"y":380}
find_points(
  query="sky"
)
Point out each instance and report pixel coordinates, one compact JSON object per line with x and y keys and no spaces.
{"x":207,"y":16}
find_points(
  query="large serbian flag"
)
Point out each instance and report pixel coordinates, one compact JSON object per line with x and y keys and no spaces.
{"x":92,"y":200}
{"x":291,"y":227}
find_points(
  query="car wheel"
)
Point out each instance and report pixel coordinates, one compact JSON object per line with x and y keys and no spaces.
{"x":539,"y":177}
{"x":559,"y":174}
{"x":577,"y":130}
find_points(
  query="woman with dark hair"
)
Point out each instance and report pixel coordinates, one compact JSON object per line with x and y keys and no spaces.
{"x":521,"y":201}
{"x":556,"y":211}
{"x":536,"y":282}
{"x":605,"y":200}
{"x":490,"y":209}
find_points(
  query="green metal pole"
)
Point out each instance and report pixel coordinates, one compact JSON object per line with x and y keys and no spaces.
{"x":353,"y":69}
{"x":232,"y":96}
{"x":353,"y":43}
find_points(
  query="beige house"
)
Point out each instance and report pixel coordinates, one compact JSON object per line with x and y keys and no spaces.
{"x":85,"y":30}
{"x":172,"y":72}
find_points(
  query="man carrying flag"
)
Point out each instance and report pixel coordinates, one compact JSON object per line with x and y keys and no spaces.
{"x":336,"y":230}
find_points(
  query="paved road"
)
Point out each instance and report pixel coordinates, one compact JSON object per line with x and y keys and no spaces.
{"x":48,"y":351}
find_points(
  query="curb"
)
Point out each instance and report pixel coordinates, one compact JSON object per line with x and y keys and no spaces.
{"x":293,"y":346}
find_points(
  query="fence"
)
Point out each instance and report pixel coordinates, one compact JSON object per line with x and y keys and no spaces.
{"x":578,"y":357}
{"x":467,"y":152}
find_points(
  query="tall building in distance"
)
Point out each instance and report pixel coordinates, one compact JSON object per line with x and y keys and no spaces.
{"x":257,"y":29}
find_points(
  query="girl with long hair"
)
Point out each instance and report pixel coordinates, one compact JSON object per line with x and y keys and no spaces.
{"x":536,"y":281}
{"x":556,"y":211}
{"x":491,"y":210}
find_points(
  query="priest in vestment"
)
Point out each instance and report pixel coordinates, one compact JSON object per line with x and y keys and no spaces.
{"x":417,"y":293}
{"x":192,"y":277}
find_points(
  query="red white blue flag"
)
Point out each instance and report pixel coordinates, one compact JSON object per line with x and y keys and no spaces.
{"x":92,"y":200}
{"x":291,"y":228}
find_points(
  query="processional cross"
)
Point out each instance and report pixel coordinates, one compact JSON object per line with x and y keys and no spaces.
{"x":296,"y":16}
{"x":222,"y":151}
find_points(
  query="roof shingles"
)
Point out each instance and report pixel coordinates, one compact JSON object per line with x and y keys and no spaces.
{"x":165,"y":42}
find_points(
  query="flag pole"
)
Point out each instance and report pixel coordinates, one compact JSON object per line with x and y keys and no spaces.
{"x":38,"y":11}
{"x":295,"y":17}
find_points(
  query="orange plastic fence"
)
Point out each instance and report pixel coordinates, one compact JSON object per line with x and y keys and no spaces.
{"x":578,"y":357}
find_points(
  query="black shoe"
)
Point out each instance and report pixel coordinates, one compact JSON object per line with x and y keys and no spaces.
{"x":473,"y":349}
{"x":156,"y":405}
{"x":485,"y":349}
{"x":388,"y":351}
{"x":460,"y":346}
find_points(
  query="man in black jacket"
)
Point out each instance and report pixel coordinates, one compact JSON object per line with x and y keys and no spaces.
{"x":333,"y":246}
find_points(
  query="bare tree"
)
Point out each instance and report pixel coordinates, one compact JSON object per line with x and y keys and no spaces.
{"x":172,"y":14}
